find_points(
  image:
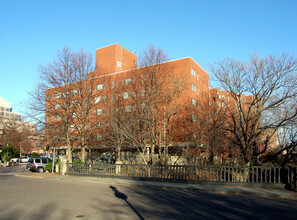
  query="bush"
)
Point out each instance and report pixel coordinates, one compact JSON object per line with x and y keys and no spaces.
{"x":49,"y":167}
{"x":35,"y":154}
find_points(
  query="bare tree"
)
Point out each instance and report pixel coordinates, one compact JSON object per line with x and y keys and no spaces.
{"x":62,"y":101}
{"x":150,"y":95}
{"x":259,"y":89}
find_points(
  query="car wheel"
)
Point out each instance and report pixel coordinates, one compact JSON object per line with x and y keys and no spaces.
{"x":40,"y":170}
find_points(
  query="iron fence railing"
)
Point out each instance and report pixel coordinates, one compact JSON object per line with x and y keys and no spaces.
{"x":251,"y":174}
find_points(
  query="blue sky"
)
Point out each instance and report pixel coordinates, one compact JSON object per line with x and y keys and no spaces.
{"x":32,"y":31}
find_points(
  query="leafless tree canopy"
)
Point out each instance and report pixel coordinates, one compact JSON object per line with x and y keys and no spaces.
{"x":62,"y":99}
{"x":264,"y":92}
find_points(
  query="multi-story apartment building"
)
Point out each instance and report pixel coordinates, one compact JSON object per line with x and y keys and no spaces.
{"x":171,"y":94}
{"x":116,"y":77}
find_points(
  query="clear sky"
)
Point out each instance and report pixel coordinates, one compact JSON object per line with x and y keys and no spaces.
{"x":31,"y":32}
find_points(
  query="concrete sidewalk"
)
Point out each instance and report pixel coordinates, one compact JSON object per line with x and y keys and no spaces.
{"x":234,"y":189}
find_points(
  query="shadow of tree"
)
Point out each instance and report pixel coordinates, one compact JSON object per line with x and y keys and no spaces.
{"x":124,"y":197}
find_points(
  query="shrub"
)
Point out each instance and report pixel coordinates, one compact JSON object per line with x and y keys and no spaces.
{"x":49,"y":167}
{"x":34,"y":154}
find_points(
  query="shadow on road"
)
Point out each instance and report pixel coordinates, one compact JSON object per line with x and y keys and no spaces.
{"x":124,"y":197}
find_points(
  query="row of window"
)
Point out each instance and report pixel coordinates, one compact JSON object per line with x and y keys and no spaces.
{"x":101,"y":86}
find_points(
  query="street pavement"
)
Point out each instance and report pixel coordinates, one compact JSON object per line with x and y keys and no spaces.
{"x":47,"y":196}
{"x":266,"y":191}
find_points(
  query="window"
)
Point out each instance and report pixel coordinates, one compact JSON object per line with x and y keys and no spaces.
{"x":58,"y":118}
{"x":98,"y":125}
{"x":73,"y":103}
{"x":58,"y":95}
{"x":99,"y":136}
{"x":193,"y":118}
{"x":193,"y":72}
{"x":193,"y":102}
{"x":72,"y":127}
{"x":128,"y":81}
{"x":119,"y":64}
{"x":99,"y":87}
{"x":99,"y":111}
{"x":98,"y":99}
{"x":126,"y":95}
{"x":128,"y":108}
{"x":112,"y":85}
{"x":74,"y":92}
{"x":193,"y":87}
{"x":57,"y":106}
{"x":74,"y":115}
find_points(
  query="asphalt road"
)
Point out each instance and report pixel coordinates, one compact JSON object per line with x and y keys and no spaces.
{"x":39,"y":198}
{"x":14,"y":169}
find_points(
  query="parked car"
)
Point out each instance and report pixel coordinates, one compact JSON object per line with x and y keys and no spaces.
{"x":24,"y":159}
{"x":14,"y":160}
{"x":37,"y":164}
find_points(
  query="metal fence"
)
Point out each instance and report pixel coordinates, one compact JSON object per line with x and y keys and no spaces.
{"x":239,"y":174}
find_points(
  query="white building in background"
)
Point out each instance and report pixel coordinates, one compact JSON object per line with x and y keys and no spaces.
{"x":6,"y":111}
{"x":10,"y":118}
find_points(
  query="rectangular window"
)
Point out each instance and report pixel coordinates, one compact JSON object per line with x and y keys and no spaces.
{"x":98,"y":99}
{"x":193,"y":102}
{"x":99,"y":111}
{"x":193,"y":72}
{"x":73,"y":103}
{"x":98,"y":125}
{"x":57,"y":106}
{"x":126,"y":95}
{"x":74,"y":115}
{"x":58,"y":118}
{"x":128,"y":81}
{"x":72,"y":127}
{"x":112,"y":85}
{"x":74,"y":92}
{"x":193,"y":118}
{"x":99,"y":87}
{"x":58,"y":95}
{"x":193,"y":87}
{"x":119,"y":64}
{"x":128,"y":108}
{"x":99,"y":136}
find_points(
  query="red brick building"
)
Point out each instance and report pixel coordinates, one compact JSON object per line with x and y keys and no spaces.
{"x":117,"y":76}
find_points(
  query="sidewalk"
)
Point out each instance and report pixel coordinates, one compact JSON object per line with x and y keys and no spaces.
{"x":210,"y":188}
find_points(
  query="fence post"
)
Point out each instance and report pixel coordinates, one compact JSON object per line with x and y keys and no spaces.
{"x":118,"y":167}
